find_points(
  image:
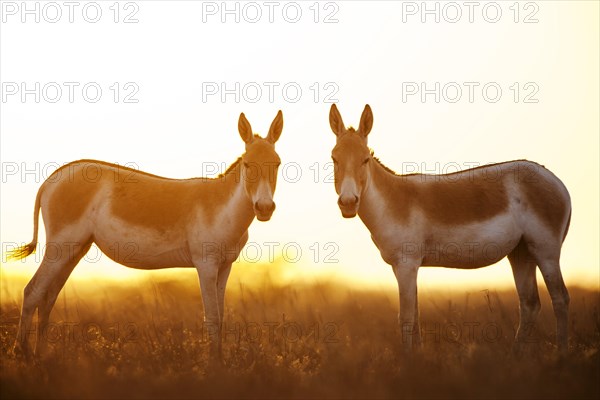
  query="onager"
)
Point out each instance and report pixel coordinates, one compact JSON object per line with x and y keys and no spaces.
{"x":148,"y":222}
{"x":468,"y":219}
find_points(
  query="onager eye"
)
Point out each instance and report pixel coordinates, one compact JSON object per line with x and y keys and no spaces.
{"x":366,"y":160}
{"x":334,"y":160}
{"x":246,"y":165}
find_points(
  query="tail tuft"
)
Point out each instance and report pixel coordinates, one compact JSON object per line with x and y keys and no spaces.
{"x":21,"y":252}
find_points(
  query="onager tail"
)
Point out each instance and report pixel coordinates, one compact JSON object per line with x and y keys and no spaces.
{"x":23,"y":251}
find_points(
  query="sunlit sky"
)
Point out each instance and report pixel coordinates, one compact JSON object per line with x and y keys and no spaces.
{"x":370,"y":55}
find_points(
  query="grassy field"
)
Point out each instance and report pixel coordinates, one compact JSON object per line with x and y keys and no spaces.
{"x":144,"y":339}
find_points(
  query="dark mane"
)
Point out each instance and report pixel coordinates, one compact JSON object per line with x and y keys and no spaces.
{"x":107,"y":164}
{"x":391,"y":171}
{"x":230,"y":168}
{"x":139,"y":171}
{"x":386,"y":168}
{"x":493,"y":165}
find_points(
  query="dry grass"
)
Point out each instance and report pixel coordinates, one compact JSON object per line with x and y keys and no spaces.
{"x":145,"y":340}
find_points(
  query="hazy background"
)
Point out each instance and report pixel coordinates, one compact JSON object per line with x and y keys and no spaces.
{"x":372,"y":54}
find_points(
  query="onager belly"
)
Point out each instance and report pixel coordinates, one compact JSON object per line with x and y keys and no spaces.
{"x":470,"y":246}
{"x":142,"y":248}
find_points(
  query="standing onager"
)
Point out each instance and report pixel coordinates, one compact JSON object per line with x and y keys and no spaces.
{"x":468,"y":219}
{"x":155,"y":222}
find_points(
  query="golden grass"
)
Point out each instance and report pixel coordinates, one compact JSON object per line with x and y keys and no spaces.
{"x":318,"y":340}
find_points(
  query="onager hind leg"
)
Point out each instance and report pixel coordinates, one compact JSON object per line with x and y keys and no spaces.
{"x":524,"y":270}
{"x":41,"y":292}
{"x":560,"y":300}
{"x":547,"y":257}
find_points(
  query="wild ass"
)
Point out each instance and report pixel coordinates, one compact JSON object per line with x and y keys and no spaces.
{"x":148,"y":222}
{"x":468,"y":219}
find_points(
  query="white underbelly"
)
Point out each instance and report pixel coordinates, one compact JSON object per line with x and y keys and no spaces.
{"x":471,"y":245}
{"x":140,"y":247}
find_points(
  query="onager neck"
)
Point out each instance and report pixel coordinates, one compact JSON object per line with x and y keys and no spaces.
{"x":380,"y":185}
{"x":237,"y":213}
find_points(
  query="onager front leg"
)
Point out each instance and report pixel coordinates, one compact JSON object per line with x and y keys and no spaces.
{"x":406,"y":275}
{"x":221,"y":286}
{"x":208,"y":273}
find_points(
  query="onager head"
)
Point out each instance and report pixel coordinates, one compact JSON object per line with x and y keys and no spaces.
{"x":259,"y":167}
{"x":351,"y":156}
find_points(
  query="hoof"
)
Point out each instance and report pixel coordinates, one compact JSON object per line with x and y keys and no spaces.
{"x":20,"y":352}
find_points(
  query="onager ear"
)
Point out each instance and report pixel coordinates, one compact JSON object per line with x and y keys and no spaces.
{"x":335,"y":121}
{"x":366,"y":121}
{"x":276,"y":128}
{"x":245,"y":129}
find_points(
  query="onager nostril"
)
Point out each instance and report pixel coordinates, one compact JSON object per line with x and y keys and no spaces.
{"x":345,"y":202}
{"x":264,"y":207}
